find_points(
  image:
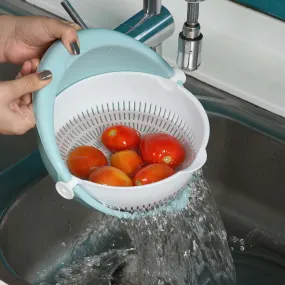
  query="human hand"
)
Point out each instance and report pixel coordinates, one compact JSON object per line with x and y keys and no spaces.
{"x":16,"y":108}
{"x":26,"y":38}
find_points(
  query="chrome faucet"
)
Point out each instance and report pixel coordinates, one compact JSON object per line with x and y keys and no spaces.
{"x":190,"y":39}
{"x":154,"y":24}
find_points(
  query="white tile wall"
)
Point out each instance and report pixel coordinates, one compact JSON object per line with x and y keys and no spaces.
{"x":243,"y":50}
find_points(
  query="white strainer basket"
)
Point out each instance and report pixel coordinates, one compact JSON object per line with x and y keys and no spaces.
{"x":115,"y":80}
{"x":148,"y":103}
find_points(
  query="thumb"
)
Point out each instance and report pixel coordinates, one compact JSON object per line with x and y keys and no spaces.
{"x":27,"y":84}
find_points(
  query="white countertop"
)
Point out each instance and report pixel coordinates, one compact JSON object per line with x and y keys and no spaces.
{"x":243,"y":50}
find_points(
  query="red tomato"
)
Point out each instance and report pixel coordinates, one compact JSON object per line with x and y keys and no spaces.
{"x":120,"y":137}
{"x":84,"y":159}
{"x":127,"y":160}
{"x":152,"y":173}
{"x":111,"y":176}
{"x":164,"y":148}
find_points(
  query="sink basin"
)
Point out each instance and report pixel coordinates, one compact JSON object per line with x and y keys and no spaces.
{"x":245,"y":171}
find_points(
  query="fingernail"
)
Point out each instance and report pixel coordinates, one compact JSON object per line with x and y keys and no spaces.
{"x":75,"y":48}
{"x":45,"y":75}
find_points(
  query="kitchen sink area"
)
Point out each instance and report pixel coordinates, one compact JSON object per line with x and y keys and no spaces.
{"x":40,"y":231}
{"x":245,"y":172}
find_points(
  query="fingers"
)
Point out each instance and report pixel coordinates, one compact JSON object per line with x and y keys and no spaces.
{"x":65,"y":31}
{"x":26,"y":119}
{"x":16,"y":109}
{"x":74,"y":25}
{"x":26,"y":100}
{"x":25,"y":85}
{"x":28,"y":67}
{"x":17,"y":120}
{"x":35,"y":63}
{"x":31,"y":36}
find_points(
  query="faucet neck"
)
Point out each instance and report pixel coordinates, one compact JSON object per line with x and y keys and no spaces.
{"x":152,"y":7}
{"x":192,"y":13}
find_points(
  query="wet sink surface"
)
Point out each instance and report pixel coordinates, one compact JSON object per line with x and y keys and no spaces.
{"x":245,"y":173}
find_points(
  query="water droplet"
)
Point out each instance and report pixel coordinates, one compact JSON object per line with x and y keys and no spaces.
{"x":242,"y":248}
{"x":242,"y":242}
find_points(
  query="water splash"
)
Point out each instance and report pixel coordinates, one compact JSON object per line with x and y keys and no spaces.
{"x":188,"y":247}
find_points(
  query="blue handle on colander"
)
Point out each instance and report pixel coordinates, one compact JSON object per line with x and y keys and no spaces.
{"x":102,"y":51}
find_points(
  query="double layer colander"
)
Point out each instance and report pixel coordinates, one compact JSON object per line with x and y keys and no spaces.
{"x":115,"y":80}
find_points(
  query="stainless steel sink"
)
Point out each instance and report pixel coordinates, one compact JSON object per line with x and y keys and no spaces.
{"x":245,"y":171}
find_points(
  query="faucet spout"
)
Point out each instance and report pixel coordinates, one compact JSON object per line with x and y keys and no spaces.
{"x":190,"y":39}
